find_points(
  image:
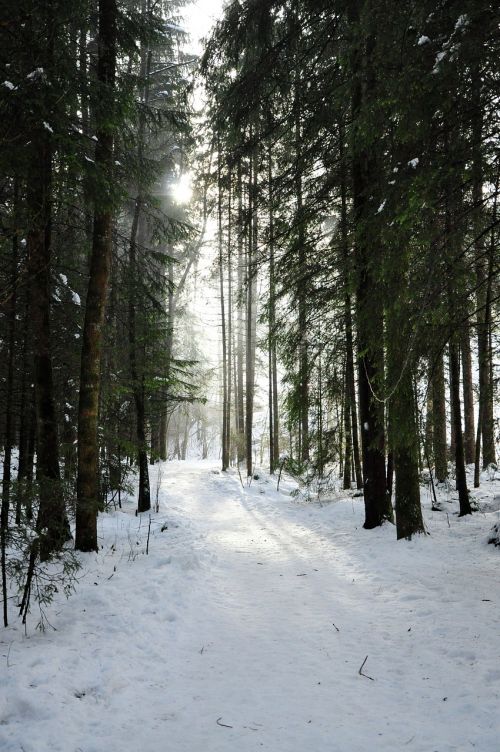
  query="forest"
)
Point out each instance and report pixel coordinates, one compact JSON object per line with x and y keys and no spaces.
{"x":273,"y":254}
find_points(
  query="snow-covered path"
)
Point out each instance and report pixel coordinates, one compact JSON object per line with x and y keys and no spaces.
{"x":246,"y":626}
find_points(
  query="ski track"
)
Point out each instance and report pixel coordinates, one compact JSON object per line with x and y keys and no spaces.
{"x":256,"y":612}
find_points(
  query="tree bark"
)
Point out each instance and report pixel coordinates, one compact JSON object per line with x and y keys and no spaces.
{"x":273,"y":376}
{"x":350,"y":409}
{"x":439,"y":420}
{"x":52,"y":524}
{"x":251,"y":321}
{"x":137,"y":236}
{"x":468,"y":391}
{"x":463,"y":493}
{"x":369,"y":313}
{"x":100,"y":263}
{"x":240,"y":401}
{"x":225,"y":438}
{"x":482,"y":275}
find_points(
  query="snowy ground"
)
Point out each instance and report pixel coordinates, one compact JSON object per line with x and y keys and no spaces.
{"x":246,"y":626}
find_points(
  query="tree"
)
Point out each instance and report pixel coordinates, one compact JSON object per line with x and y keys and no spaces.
{"x":100,"y":263}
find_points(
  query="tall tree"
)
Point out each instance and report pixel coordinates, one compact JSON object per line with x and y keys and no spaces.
{"x":100,"y":263}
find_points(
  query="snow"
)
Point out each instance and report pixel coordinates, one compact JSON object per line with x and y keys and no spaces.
{"x":462,"y":21}
{"x":175,"y":27}
{"x":423,"y":40}
{"x":382,"y":205}
{"x":37,"y":73}
{"x":255,"y":621}
{"x":9,"y":85}
{"x":76,"y":298}
{"x":48,"y":127}
{"x":413,"y":162}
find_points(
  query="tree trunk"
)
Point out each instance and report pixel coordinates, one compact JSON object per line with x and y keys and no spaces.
{"x":346,"y":484}
{"x":240,"y":404}
{"x":100,"y":263}
{"x":52,"y":524}
{"x":403,"y":433}
{"x":350,"y":410}
{"x":463,"y":493}
{"x":468,"y":390}
{"x":229,"y":324}
{"x":225,"y":438}
{"x":482,"y":275}
{"x":453,"y":435}
{"x":369,"y":313}
{"x":8,"y":435}
{"x":138,"y":236}
{"x":251,"y":312}
{"x":273,"y":377}
{"x":302,"y":295}
{"x":439,"y":420}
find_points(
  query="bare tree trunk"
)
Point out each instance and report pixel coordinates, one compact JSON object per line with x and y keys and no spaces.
{"x":482,"y":264}
{"x":468,"y":390}
{"x":346,"y":484}
{"x":240,"y":404}
{"x":439,"y":420}
{"x":138,"y":236}
{"x":8,"y":435}
{"x":273,"y":376}
{"x":137,"y":240}
{"x":225,"y":442}
{"x":453,"y":350}
{"x":229,"y":323}
{"x":463,"y":494}
{"x":301,"y":290}
{"x":350,"y":410}
{"x":251,"y":311}
{"x":52,"y":524}
{"x":369,"y":313}
{"x":100,"y":264}
{"x":403,"y":429}
{"x":453,"y":434}
{"x":429,"y":421}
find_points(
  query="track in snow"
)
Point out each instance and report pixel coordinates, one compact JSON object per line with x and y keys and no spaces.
{"x":247,"y":624}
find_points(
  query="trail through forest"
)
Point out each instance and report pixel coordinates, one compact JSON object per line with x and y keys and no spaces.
{"x":247,"y":624}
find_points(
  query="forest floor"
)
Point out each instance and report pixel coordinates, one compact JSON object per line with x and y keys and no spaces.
{"x":259,"y":620}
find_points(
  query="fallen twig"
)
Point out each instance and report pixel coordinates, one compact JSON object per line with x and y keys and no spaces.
{"x":239,"y":473}
{"x":218,"y":722}
{"x":282,"y":464}
{"x":360,"y":672}
{"x":149,"y":531}
{"x":338,"y":630}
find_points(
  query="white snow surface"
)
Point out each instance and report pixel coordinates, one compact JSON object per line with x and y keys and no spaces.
{"x":246,"y":627}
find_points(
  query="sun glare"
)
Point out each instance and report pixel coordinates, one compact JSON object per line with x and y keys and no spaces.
{"x":182,"y":190}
